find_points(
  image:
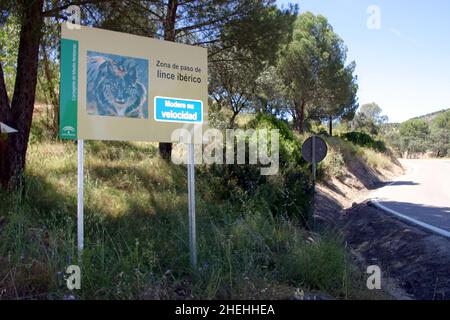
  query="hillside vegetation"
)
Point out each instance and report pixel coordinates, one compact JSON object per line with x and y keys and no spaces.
{"x":429,"y":117}
{"x":254,"y":233}
{"x":428,"y":135}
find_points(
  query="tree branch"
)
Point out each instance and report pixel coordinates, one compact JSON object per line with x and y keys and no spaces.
{"x":55,"y":11}
{"x":159,"y":16}
{"x":205,"y":23}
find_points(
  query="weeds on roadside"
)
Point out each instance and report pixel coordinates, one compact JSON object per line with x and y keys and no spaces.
{"x":251,"y":246}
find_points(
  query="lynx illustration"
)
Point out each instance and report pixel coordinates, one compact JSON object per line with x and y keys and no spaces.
{"x":116,"y":85}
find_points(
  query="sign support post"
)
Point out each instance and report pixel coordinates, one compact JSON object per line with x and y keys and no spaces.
{"x":313,"y":153}
{"x":314,"y":150}
{"x":80,"y":206}
{"x":191,"y":196}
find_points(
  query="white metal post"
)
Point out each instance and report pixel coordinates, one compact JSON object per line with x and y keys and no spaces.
{"x":80,"y":204}
{"x":191,"y":195}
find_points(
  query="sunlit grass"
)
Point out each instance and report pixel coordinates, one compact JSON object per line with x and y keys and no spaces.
{"x":136,"y":233}
{"x":350,"y":152}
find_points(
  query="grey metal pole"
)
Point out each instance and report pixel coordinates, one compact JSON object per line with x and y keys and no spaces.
{"x":313,"y":156}
{"x":191,"y":195}
{"x":80,"y":204}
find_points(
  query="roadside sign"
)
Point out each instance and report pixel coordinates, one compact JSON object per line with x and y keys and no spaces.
{"x":314,"y":150}
{"x":320,"y":150}
{"x":117,"y":86}
{"x":6,"y":129}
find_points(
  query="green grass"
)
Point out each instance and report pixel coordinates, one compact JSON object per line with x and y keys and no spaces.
{"x":136,"y":234}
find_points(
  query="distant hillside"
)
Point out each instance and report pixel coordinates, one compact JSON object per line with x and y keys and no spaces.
{"x":430,"y":116}
{"x":427,"y":117}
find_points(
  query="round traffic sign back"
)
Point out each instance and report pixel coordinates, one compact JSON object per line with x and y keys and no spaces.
{"x":320,"y":148}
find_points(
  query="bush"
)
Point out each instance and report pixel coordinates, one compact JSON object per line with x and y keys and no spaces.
{"x":364,"y":140}
{"x":323,"y":132}
{"x":332,"y":166}
{"x":290,"y":145}
{"x":290,"y":192}
{"x":286,"y":194}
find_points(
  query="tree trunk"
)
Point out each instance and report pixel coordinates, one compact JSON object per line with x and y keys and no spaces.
{"x":5,"y":112}
{"x":5,"y":117}
{"x":19,"y":115}
{"x":293,"y":110}
{"x":294,"y":120}
{"x":233,"y":119}
{"x":297,"y":123}
{"x":301,"y":124}
{"x":165,"y":149}
{"x":330,"y":131}
{"x":51,"y":90}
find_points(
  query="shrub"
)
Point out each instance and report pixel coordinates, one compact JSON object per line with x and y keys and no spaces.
{"x":286,"y":194}
{"x":332,"y":166}
{"x":323,"y":132}
{"x":290,"y":145}
{"x":364,"y":140}
{"x":291,"y":191}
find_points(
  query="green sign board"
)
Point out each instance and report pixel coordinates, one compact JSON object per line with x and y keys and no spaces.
{"x":69,"y":89}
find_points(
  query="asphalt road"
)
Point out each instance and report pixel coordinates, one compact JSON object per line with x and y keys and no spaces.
{"x":422,"y":193}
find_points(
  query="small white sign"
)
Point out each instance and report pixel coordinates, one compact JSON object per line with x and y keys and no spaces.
{"x":6,"y":129}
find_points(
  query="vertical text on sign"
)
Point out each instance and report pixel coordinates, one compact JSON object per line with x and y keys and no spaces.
{"x":69,"y":89}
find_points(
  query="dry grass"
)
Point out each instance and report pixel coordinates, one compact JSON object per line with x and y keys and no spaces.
{"x":136,"y":231}
{"x":349,"y":151}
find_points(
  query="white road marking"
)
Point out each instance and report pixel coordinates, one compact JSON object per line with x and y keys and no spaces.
{"x":412,"y":173}
{"x":420,"y":223}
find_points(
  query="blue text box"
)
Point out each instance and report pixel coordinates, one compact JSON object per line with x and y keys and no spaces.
{"x":178,"y":110}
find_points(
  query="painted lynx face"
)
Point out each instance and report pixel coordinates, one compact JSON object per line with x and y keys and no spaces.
{"x":116,"y":90}
{"x":119,"y":84}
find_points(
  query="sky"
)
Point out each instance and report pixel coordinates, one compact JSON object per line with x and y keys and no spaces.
{"x":404,"y":65}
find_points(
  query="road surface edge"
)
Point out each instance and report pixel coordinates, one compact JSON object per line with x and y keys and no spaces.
{"x":414,"y":221}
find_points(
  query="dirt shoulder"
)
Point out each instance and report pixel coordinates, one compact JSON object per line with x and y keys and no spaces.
{"x":336,"y":195}
{"x":416,"y":259}
{"x":415,"y":262}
